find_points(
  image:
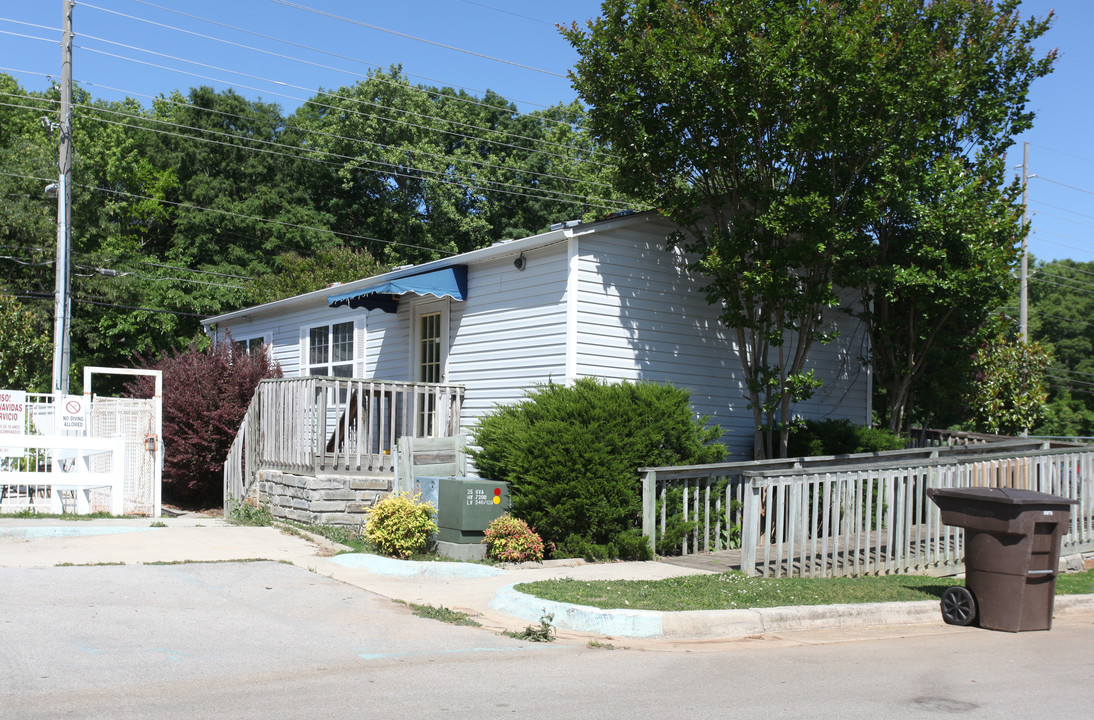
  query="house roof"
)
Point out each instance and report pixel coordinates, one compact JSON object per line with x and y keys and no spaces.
{"x":493,"y":252}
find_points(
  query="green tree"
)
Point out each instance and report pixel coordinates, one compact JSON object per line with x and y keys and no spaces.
{"x":1060,"y":308}
{"x":295,"y":275}
{"x":1008,"y":390}
{"x":779,"y":135}
{"x":421,"y":172}
{"x":26,"y":347}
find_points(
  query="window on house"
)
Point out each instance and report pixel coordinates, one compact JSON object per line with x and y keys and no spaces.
{"x":330,"y":350}
{"x":248,"y":346}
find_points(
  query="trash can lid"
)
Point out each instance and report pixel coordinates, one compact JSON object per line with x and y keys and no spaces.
{"x":1003,"y":496}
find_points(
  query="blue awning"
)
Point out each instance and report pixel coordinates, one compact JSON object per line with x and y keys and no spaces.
{"x":447,"y":282}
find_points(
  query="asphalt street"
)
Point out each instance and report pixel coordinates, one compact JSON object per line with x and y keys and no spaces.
{"x":270,"y":640}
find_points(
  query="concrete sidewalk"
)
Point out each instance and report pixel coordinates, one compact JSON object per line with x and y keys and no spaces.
{"x":485,"y":592}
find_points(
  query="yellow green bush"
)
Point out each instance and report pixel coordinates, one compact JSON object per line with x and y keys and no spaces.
{"x":400,"y":524}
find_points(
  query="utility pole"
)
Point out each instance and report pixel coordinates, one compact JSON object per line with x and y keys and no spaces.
{"x":62,"y":301}
{"x":1023,"y":296}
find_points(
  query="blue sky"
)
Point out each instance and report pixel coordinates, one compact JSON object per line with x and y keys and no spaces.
{"x":526,"y":61}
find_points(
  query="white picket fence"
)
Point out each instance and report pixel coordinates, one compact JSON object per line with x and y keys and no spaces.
{"x":855,"y":515}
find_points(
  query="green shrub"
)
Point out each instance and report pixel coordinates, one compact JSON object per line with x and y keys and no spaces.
{"x":511,"y":540}
{"x":629,"y":545}
{"x":571,"y":456}
{"x":400,"y":524}
{"x":839,"y":437}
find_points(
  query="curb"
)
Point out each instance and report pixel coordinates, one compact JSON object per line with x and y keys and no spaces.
{"x":708,"y":624}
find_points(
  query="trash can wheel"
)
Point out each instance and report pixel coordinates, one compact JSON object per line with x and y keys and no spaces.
{"x":958,"y":606}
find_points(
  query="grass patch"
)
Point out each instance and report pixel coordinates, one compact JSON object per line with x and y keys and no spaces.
{"x":244,"y":513}
{"x":90,"y":564}
{"x":597,"y":645}
{"x":734,"y":590}
{"x":1075,"y":583}
{"x":443,"y":614}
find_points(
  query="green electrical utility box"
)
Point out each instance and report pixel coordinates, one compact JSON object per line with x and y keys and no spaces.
{"x":466,"y":506}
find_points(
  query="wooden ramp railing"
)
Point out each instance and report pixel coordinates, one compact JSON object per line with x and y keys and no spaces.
{"x":853,"y":515}
{"x":311,"y":425}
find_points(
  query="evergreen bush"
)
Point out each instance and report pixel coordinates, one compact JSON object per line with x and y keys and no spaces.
{"x":571,"y":456}
{"x":840,"y":437}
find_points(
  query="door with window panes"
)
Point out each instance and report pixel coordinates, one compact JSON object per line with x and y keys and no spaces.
{"x":430,"y":337}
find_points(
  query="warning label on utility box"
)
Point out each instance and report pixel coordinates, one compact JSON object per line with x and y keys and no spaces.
{"x":479,"y":496}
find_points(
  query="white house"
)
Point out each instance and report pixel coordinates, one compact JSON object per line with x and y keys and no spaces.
{"x":603,"y":299}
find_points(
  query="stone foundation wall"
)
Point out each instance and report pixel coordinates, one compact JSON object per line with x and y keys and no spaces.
{"x":320,"y":500}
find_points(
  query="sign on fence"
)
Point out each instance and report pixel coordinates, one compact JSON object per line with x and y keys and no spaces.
{"x":71,"y":416}
{"x":13,"y":418}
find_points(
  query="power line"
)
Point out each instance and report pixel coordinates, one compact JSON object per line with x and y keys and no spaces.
{"x":1061,"y":152}
{"x":412,"y":37}
{"x":1070,"y":187}
{"x":314,"y":91}
{"x":1063,"y":278}
{"x":1068,"y":267}
{"x":298,"y":45}
{"x":27,"y":37}
{"x":1066,"y":287}
{"x":1065,"y":219}
{"x":1065,"y":245}
{"x":1068,"y":380}
{"x":441,"y":176}
{"x":1069,"y":371}
{"x":36,"y":296}
{"x":33,"y":25}
{"x":507,"y":12}
{"x":190,"y":206}
{"x":333,"y":136}
{"x":1040,"y":232}
{"x":355,"y":100}
{"x":110,"y":272}
{"x":329,"y":53}
{"x":1057,"y":207}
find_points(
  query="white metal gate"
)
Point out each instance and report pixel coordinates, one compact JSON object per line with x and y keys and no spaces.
{"x":138,"y":421}
{"x":133,"y":420}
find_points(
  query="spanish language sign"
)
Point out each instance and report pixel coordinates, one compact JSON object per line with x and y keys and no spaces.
{"x":13,"y":418}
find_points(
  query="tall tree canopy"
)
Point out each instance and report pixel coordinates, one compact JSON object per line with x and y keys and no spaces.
{"x":1061,"y":305}
{"x":207,"y":201}
{"x":811,"y":144}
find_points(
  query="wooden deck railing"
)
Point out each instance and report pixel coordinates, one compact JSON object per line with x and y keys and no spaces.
{"x":322,"y":424}
{"x":853,"y":514}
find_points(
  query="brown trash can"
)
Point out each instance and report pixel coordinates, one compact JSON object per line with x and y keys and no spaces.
{"x":1012,"y":552}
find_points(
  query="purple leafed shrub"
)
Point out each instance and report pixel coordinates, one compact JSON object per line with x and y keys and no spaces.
{"x":205,"y":396}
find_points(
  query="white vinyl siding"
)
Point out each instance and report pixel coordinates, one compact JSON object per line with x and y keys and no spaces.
{"x":642,"y":316}
{"x":636,"y":314}
{"x":510,"y":334}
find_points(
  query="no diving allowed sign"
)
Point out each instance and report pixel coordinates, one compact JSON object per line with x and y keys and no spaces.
{"x":71,"y":416}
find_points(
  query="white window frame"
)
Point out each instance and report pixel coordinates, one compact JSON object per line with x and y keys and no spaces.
{"x":327,"y":369}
